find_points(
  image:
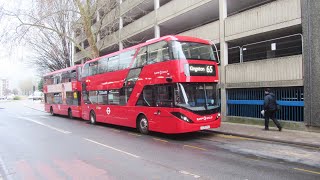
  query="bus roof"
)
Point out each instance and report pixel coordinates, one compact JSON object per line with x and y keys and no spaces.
{"x":63,"y":70}
{"x":151,"y":41}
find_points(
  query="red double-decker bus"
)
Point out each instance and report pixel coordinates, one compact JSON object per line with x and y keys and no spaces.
{"x":166,"y":85}
{"x":62,"y":91}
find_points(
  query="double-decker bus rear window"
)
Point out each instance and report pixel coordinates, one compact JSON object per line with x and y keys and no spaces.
{"x":192,"y":51}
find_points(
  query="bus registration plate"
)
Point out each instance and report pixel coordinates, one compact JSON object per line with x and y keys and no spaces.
{"x":204,"y":127}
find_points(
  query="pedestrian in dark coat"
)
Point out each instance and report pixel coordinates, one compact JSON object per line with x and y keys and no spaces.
{"x":270,"y":109}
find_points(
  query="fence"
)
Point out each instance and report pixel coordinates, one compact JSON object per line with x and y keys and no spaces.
{"x":249,"y":103}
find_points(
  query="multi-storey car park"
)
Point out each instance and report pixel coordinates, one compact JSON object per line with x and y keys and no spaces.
{"x":263,"y":43}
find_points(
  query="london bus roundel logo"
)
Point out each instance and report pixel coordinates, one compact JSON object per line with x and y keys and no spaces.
{"x":108,"y":110}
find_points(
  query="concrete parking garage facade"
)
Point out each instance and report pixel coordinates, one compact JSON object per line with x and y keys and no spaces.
{"x":262,"y":43}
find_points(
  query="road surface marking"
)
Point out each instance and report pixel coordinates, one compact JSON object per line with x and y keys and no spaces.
{"x":115,"y":130}
{"x":304,"y":170}
{"x":44,"y":117}
{"x":48,"y":126}
{"x":134,"y":134}
{"x":124,"y":152}
{"x":5,"y":170}
{"x":233,"y":137}
{"x":190,"y":174}
{"x":195,"y":147}
{"x":160,"y":140}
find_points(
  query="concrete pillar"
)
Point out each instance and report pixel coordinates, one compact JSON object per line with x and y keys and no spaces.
{"x":156,"y":4}
{"x":156,"y":26}
{"x":156,"y":31}
{"x":311,"y":59}
{"x":224,"y":57}
{"x":120,"y":27}
{"x":120,"y":45}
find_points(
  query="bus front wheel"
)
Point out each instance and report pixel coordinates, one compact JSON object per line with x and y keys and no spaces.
{"x":92,"y":117}
{"x":143,"y":124}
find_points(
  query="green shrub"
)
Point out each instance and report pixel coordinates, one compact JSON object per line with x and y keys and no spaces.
{"x":17,"y":98}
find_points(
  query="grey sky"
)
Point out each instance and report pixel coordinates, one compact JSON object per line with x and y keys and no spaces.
{"x":14,"y":57}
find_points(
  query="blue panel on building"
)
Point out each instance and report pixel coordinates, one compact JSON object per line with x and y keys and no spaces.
{"x":249,"y":103}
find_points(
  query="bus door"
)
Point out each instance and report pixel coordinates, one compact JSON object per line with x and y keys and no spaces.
{"x":158,"y":103}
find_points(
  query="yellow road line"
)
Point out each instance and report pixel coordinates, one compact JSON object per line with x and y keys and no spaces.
{"x":115,"y":130}
{"x":134,"y":134}
{"x":304,"y":170}
{"x":195,"y":147}
{"x":160,"y":140}
{"x":233,"y":137}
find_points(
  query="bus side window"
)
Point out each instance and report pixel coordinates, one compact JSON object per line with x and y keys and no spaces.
{"x":93,"y":68}
{"x":141,"y":58}
{"x":113,"y":63}
{"x":85,"y":71}
{"x":146,"y":97}
{"x":103,"y":97}
{"x":164,"y":96}
{"x":158,"y":52}
{"x":93,"y":97}
{"x":125,"y":59}
{"x":85,"y":97}
{"x":103,"y":65}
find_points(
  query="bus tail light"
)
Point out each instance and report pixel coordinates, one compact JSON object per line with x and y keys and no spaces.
{"x":182,"y":117}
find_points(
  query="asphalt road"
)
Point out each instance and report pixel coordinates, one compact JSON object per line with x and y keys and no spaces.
{"x":36,"y":145}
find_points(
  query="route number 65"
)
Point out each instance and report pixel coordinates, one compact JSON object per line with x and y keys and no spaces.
{"x":209,"y":69}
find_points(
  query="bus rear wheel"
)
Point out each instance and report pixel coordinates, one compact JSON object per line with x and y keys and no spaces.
{"x":70,"y":114}
{"x":51,"y":111}
{"x":92,"y":118}
{"x":143,"y":124}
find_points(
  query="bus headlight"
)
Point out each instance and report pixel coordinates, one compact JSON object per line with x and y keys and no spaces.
{"x":218,"y":116}
{"x":182,"y":117}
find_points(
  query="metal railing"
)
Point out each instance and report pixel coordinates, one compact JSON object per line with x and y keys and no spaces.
{"x":271,"y":48}
{"x":249,"y":103}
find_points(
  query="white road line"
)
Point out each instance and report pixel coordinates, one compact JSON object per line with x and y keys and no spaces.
{"x":4,"y":170}
{"x":48,"y":126}
{"x":190,"y":174}
{"x":44,"y":117}
{"x":124,"y":152}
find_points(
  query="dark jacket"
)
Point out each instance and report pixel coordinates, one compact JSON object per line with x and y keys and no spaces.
{"x":270,"y":102}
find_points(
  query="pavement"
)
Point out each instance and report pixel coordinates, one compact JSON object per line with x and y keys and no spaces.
{"x":302,"y":138}
{"x":295,"y":137}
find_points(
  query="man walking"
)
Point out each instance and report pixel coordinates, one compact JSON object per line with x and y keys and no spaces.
{"x":270,"y":109}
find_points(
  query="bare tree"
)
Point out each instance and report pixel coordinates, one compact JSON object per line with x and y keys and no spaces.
{"x":49,"y":27}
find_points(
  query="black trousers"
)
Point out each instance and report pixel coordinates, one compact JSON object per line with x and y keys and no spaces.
{"x":271,"y":114}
